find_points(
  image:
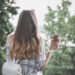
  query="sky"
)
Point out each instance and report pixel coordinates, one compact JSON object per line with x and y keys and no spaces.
{"x":40,"y":7}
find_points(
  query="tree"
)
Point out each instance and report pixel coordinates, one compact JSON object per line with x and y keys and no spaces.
{"x":7,"y":10}
{"x":61,"y":22}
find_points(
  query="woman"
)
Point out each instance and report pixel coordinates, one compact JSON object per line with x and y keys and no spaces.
{"x":26,"y":44}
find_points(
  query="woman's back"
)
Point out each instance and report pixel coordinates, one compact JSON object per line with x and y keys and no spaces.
{"x":31,"y":66}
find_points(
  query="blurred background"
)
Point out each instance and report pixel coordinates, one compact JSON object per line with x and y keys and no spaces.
{"x":54,"y":17}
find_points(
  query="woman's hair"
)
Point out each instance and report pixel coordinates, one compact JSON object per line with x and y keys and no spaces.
{"x":25,"y":40}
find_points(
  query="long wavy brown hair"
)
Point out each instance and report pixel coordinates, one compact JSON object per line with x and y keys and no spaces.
{"x":25,"y":40}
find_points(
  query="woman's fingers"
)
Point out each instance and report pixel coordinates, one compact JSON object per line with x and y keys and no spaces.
{"x":54,"y":42}
{"x":54,"y":45}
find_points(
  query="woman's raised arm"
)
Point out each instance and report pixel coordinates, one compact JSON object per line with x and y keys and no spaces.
{"x":54,"y":45}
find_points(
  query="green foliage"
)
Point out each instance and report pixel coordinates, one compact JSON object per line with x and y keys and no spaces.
{"x":7,"y":9}
{"x":61,"y":22}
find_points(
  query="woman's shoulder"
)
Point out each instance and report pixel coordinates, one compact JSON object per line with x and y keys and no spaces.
{"x":10,"y":36}
{"x":42,"y":40}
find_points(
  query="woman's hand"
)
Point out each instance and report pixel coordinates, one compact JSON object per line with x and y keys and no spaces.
{"x":54,"y":42}
{"x":54,"y":45}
